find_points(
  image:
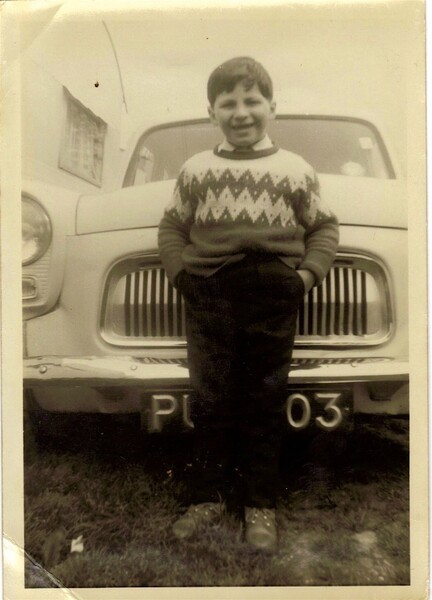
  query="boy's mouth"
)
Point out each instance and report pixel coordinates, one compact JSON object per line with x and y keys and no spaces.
{"x":242,"y":127}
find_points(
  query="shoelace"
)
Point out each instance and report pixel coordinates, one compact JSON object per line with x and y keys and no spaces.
{"x":266,"y":514}
{"x":205,"y":508}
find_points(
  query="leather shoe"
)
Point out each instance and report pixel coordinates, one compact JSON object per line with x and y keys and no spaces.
{"x":197,"y":516}
{"x":261,"y":529}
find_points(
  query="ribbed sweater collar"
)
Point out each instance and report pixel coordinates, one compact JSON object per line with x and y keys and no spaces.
{"x":245,"y":153}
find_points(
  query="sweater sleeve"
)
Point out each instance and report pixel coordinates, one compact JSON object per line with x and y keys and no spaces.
{"x":173,"y":235}
{"x":321,"y":229}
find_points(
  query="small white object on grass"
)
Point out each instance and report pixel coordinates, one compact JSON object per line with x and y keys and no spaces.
{"x":77,"y":545}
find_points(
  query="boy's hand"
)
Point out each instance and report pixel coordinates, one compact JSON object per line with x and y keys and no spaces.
{"x":308,"y":278}
{"x":178,"y":277}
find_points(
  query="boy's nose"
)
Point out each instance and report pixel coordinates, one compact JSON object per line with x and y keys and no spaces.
{"x":241,"y":112}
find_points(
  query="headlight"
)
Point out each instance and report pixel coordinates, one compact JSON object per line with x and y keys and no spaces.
{"x":36,"y":231}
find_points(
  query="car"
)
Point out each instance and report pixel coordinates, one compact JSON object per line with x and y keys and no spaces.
{"x":104,"y":330}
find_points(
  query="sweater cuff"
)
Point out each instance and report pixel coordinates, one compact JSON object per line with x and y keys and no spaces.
{"x":311,"y":272}
{"x":173,"y":270}
{"x":317,"y":271}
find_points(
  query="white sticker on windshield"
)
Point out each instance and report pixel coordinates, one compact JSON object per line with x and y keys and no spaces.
{"x":353,"y":169}
{"x":366,"y":143}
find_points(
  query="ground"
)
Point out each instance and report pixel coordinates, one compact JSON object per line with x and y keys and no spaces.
{"x":100,"y":499}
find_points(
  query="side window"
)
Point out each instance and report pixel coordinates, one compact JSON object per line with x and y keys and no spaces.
{"x":83,"y":143}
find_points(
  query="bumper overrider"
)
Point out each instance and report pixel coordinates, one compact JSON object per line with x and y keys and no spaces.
{"x":159,"y":388}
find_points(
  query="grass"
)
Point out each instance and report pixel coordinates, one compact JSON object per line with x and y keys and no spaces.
{"x":343,"y":511}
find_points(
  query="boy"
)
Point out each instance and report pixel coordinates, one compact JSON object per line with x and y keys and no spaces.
{"x":230,"y":242}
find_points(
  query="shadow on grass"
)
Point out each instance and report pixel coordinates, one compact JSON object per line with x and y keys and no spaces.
{"x":372,"y":448}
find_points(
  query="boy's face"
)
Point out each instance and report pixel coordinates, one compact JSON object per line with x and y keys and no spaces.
{"x":242,"y":114}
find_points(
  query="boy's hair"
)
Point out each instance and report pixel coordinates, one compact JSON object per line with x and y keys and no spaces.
{"x":227,"y":75}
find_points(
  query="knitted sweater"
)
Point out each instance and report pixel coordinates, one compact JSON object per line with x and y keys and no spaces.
{"x":226,"y":204}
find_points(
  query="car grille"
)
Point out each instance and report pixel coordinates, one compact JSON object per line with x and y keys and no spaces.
{"x":350,"y":306}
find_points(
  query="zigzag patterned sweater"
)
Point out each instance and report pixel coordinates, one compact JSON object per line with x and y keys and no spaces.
{"x":226,"y":204}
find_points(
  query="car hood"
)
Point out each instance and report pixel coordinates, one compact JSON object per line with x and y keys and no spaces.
{"x":355,"y":200}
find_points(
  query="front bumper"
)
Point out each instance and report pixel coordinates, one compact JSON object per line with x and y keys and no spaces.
{"x":159,"y":373}
{"x":115,"y":384}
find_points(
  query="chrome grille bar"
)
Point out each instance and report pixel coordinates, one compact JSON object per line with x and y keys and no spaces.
{"x":152,"y":308}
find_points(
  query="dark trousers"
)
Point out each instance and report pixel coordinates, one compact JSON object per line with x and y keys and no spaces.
{"x":241,"y":323}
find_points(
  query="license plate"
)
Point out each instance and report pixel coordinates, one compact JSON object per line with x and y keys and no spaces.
{"x":304,"y":407}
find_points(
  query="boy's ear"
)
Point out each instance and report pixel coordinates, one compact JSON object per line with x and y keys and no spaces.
{"x":272,"y":109}
{"x":212,"y":115}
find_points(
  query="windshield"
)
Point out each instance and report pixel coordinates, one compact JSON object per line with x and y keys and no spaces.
{"x":331,"y":145}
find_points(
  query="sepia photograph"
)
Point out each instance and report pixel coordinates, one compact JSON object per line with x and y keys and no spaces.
{"x":222,"y":320}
